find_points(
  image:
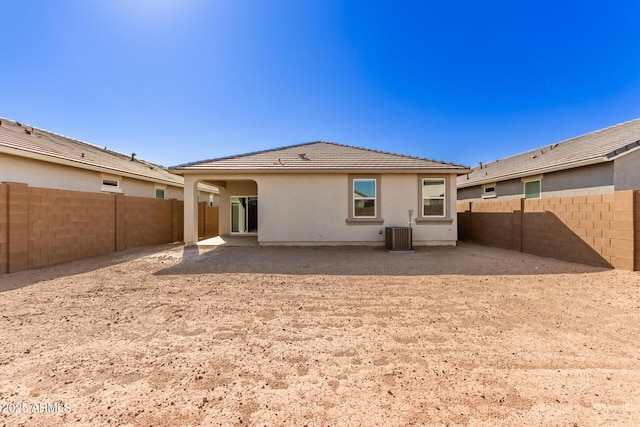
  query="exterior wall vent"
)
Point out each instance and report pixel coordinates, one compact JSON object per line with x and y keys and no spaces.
{"x":398,"y":239}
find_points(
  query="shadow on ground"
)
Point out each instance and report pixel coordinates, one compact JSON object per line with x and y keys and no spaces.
{"x":9,"y":282}
{"x":465,"y":259}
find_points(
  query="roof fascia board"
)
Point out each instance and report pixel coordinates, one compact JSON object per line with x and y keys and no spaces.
{"x":81,"y":165}
{"x":314,"y":171}
{"x":536,"y":172}
{"x":624,"y":153}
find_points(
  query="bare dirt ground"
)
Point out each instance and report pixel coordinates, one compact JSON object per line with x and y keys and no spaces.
{"x":170,"y":336}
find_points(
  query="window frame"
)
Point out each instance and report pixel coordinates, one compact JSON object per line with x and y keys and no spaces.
{"x":489,"y":194}
{"x":369,"y":220}
{"x":164,"y":192}
{"x":111,"y":183}
{"x":374,"y":198}
{"x":524,"y":188}
{"x":443,"y":198}
{"x":432,"y":219}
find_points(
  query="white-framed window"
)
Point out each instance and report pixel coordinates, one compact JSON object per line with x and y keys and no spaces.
{"x":111,"y":184}
{"x":532,"y":189}
{"x":434,"y":197}
{"x":489,"y":191}
{"x":365,"y":198}
{"x":160,"y":192}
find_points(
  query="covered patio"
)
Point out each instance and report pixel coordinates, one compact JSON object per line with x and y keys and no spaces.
{"x":238,"y":209}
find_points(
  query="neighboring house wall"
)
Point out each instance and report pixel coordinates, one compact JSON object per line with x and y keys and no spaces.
{"x":138,"y":188}
{"x":470,"y":193}
{"x":47,"y":175}
{"x":627,"y":171}
{"x":172,"y":192}
{"x":587,"y":180}
{"x":308,"y":208}
{"x":50,"y":175}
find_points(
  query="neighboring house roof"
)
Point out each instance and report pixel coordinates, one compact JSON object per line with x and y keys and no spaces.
{"x":595,"y":147}
{"x":27,"y":141}
{"x":317,"y":157}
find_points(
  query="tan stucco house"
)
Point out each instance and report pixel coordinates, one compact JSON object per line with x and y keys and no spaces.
{"x":323,"y":193}
{"x":599,"y":162}
{"x":46,"y":159}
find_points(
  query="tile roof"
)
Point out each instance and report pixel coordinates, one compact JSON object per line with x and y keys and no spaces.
{"x":28,"y":139}
{"x":317,"y":156}
{"x":595,"y":147}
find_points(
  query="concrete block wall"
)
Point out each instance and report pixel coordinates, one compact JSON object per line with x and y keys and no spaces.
{"x":41,"y":226}
{"x":573,"y":229}
{"x":208,"y":217}
{"x":636,"y":222}
{"x":120,"y":203}
{"x":4,"y":229}
{"x":464,"y":220}
{"x":597,"y":230}
{"x":18,"y":227}
{"x":201,"y":218}
{"x":68,"y":225}
{"x":148,"y":221}
{"x":177,"y":217}
{"x":623,"y":231}
{"x":497,"y":223}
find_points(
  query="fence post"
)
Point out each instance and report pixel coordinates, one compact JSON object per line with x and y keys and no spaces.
{"x":517,"y":226}
{"x":623,"y":238}
{"x":470,"y":223}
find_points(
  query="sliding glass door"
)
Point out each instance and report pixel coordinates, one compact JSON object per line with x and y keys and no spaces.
{"x":244,"y":214}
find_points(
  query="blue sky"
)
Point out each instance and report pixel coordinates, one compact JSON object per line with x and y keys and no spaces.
{"x":182,"y":80}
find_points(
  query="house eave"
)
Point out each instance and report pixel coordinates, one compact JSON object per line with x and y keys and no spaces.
{"x":538,"y":171}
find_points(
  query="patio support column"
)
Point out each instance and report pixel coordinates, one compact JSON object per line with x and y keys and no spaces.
{"x":190,"y":210}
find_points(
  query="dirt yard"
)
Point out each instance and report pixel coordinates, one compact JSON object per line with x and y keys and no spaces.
{"x":170,"y":336}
